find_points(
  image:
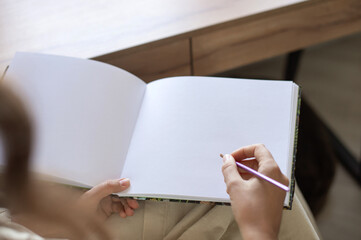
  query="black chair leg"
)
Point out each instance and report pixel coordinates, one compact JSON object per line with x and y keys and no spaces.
{"x":292,"y":64}
{"x":343,"y":154}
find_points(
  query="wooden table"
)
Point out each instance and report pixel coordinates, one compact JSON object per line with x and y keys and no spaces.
{"x":156,"y":38}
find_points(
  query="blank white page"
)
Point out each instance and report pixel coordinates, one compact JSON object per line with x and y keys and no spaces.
{"x":186,"y":122}
{"x":84,"y":114}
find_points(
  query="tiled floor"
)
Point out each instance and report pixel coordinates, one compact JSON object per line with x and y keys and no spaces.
{"x":330,"y":77}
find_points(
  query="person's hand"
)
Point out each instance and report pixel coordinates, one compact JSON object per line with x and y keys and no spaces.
{"x":65,"y":213}
{"x":256,"y":204}
{"x":100,"y":201}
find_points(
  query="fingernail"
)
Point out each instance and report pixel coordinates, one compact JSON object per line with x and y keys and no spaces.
{"x":227,"y":158}
{"x":124,"y":182}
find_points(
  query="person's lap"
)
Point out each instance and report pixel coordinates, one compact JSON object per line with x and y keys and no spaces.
{"x":171,"y":220}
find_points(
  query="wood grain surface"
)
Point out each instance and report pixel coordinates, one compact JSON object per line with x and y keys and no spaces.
{"x":93,"y":28}
{"x":142,"y":36}
{"x":272,"y":35}
{"x":166,"y":60}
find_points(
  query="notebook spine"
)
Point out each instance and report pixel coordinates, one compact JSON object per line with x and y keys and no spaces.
{"x":295,"y":141}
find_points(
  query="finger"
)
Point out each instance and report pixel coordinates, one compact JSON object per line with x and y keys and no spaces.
{"x":266,"y":164}
{"x":119,"y":208}
{"x":127,"y":209}
{"x":229,"y":170}
{"x":132,"y":203}
{"x":249,"y":163}
{"x":259,"y":151}
{"x":115,"y":198}
{"x":111,"y":186}
{"x":285,"y":180}
{"x":116,"y":207}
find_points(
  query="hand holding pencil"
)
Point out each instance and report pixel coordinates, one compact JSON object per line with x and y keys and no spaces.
{"x":260,"y":175}
{"x":256,"y":204}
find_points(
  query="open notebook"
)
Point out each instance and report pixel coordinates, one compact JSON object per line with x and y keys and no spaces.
{"x":96,"y":122}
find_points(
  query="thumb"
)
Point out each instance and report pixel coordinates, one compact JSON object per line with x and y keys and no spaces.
{"x":108,"y":187}
{"x":229,"y":169}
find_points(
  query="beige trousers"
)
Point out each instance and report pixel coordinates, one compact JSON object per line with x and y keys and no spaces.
{"x":169,"y":220}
